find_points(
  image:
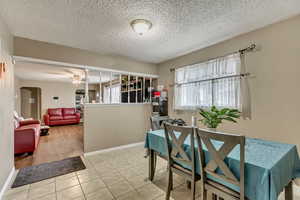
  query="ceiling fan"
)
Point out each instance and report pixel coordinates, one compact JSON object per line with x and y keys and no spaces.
{"x":74,"y":75}
{"x":76,"y":79}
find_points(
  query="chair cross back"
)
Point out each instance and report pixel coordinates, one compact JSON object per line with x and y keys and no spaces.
{"x":177,"y":152}
{"x":156,"y":122}
{"x":218,"y":156}
{"x":179,"y":161}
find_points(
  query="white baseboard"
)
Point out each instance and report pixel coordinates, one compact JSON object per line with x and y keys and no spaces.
{"x":7,"y":182}
{"x":113,"y":149}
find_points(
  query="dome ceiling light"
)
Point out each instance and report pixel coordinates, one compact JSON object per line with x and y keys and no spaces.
{"x":141,"y":26}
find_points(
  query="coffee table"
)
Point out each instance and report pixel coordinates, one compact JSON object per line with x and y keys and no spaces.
{"x":44,"y":130}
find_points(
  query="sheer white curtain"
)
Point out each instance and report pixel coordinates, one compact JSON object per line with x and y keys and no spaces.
{"x":106,"y":94}
{"x":115,"y":94}
{"x":245,"y":96}
{"x":193,"y":89}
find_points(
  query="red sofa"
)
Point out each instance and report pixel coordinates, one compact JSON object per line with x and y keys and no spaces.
{"x":61,"y":116}
{"x":27,"y":135}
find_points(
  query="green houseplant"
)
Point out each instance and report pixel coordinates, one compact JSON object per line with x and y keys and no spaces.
{"x":213,"y":117}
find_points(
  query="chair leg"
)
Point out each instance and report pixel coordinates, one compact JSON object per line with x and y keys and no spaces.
{"x":170,"y":184}
{"x":203,"y":194}
{"x":152,"y":164}
{"x":203,"y":191}
{"x":155,"y":161}
{"x":193,"y":189}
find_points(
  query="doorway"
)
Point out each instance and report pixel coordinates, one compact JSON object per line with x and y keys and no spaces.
{"x":31,"y":102}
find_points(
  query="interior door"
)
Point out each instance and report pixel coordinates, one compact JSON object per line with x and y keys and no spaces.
{"x":31,"y":102}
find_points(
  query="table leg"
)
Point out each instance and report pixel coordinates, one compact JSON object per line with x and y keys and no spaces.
{"x":289,"y":191}
{"x":152,"y":164}
{"x":155,"y":161}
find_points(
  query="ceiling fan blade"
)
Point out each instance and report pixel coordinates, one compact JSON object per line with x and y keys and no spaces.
{"x":74,"y":71}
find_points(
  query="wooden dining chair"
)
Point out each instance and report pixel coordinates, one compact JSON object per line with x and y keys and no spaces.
{"x":156,"y":122}
{"x":179,"y":161}
{"x":217,"y":161}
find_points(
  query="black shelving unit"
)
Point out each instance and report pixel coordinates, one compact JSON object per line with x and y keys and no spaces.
{"x":135,"y":89}
{"x":79,"y":96}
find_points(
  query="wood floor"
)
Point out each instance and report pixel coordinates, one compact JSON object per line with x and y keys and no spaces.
{"x":62,"y":142}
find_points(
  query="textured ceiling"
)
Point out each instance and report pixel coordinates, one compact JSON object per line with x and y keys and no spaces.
{"x":179,"y":26}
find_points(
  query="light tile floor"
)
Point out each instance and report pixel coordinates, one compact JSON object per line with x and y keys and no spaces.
{"x":115,"y":175}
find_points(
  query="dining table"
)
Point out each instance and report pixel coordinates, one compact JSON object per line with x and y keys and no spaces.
{"x":270,"y":167}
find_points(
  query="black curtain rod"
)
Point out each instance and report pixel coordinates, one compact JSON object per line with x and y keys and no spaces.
{"x":213,"y":79}
{"x":250,"y":48}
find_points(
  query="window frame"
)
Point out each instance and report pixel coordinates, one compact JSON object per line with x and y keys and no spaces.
{"x":213,"y":81}
{"x":137,"y":77}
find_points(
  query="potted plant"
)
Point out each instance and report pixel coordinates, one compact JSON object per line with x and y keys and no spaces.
{"x":213,"y":118}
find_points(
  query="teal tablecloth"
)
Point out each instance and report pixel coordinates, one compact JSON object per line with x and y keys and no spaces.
{"x":269,"y":166}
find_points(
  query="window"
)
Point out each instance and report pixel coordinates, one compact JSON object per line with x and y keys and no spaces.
{"x":94,"y":80}
{"x":137,"y":89}
{"x":112,"y":87}
{"x":115,"y":94}
{"x":208,"y":83}
{"x":106,"y":94}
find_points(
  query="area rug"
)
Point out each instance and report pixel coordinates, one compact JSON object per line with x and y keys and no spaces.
{"x":44,"y":171}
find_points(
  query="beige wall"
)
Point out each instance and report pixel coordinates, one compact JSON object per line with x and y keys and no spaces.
{"x":65,"y":91}
{"x":275,"y":87}
{"x":107,"y":126}
{"x":42,"y":50}
{"x":17,"y":95}
{"x":6,"y":106}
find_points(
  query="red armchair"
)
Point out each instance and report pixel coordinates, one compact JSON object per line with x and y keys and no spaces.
{"x":27,"y":135}
{"x":61,"y":116}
